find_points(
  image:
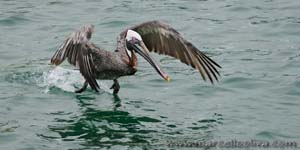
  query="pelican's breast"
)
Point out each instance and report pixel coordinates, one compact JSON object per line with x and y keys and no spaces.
{"x":111,"y":65}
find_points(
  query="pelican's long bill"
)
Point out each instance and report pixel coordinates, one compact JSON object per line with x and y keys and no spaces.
{"x":144,"y":52}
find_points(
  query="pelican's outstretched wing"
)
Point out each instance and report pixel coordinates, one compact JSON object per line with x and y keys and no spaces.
{"x":77,"y":49}
{"x":163,"y":39}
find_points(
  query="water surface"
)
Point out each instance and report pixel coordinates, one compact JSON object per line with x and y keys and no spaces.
{"x":256,"y":42}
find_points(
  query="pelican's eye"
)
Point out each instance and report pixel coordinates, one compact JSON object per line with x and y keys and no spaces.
{"x":134,"y":40}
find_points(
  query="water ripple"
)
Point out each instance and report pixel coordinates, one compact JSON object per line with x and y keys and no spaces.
{"x":14,"y":20}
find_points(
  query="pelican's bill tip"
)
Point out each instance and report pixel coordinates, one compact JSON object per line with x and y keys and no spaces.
{"x":168,"y":79}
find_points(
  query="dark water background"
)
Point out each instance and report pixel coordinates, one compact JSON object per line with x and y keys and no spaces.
{"x":257,"y":42}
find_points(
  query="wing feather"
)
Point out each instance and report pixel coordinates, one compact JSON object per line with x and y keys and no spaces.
{"x":77,"y":49}
{"x":163,"y":39}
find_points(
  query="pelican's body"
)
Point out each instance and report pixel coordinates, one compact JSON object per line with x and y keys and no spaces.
{"x":96,"y":63}
{"x":111,"y":65}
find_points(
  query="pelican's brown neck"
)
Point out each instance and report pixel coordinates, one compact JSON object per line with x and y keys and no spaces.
{"x":130,"y":61}
{"x":133,"y":62}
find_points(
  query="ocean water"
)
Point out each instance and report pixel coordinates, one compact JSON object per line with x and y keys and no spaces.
{"x":257,"y":43}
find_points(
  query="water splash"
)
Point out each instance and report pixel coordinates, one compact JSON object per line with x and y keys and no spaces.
{"x":37,"y":73}
{"x":64,"y":79}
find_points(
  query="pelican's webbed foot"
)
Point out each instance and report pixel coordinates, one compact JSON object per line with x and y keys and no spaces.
{"x":115,"y":86}
{"x":83,"y":87}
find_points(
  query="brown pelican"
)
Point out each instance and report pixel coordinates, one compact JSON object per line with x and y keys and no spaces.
{"x":153,"y":36}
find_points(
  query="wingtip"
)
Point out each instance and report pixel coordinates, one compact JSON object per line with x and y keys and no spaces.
{"x":219,"y":66}
{"x":55,"y":62}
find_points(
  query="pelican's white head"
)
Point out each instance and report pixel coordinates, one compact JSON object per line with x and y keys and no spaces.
{"x":132,"y":35}
{"x":133,"y":38}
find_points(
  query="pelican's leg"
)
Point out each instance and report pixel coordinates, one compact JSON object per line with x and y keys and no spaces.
{"x":115,"y":86}
{"x":85,"y":84}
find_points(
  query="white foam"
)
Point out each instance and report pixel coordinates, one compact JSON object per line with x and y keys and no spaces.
{"x":62,"y":78}
{"x":65,"y":79}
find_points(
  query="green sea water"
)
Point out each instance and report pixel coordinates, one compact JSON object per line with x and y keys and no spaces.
{"x":257,"y":43}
